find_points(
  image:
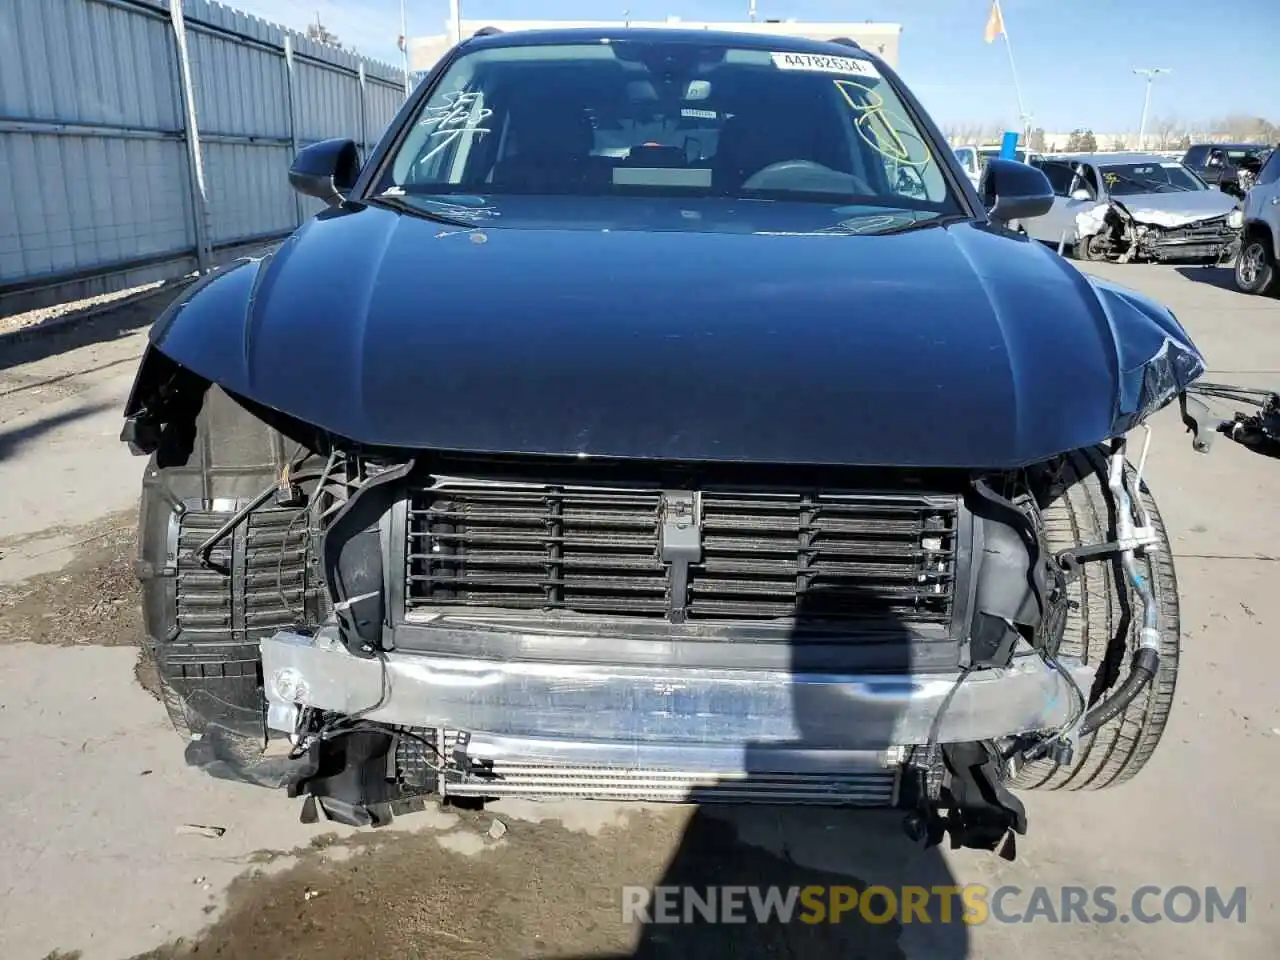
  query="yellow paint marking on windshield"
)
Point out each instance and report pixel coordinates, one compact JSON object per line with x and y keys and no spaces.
{"x":874,"y":123}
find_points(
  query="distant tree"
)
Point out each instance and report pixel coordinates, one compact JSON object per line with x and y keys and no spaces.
{"x":1088,"y":142}
{"x":1075,"y":139}
{"x":1184,"y":142}
{"x":320,"y":34}
{"x":1168,"y":131}
{"x":1037,"y":140}
{"x":1244,"y":128}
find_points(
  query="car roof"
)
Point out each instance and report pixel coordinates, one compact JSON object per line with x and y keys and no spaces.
{"x":1108,"y":159}
{"x":714,"y":38}
{"x":1232,"y":146}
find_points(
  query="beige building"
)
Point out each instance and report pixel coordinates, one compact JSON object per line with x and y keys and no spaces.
{"x":882,"y":39}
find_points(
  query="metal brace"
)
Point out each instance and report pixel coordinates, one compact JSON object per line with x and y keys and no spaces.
{"x":1202,"y":424}
{"x":681,"y":515}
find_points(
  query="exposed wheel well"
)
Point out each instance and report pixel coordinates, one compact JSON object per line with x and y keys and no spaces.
{"x":1258,"y":230}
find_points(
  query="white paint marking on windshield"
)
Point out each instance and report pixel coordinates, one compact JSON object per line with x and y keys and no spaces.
{"x":461,"y":113}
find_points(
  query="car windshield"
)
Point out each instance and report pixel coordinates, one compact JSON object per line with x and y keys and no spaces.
{"x":1126,"y":179}
{"x":659,"y":119}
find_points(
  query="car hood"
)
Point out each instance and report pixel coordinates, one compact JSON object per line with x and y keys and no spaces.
{"x":940,"y":347}
{"x":1177,"y":209}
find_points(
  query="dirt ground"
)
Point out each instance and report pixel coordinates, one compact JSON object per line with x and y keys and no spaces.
{"x":107,"y":830}
{"x":93,"y":599}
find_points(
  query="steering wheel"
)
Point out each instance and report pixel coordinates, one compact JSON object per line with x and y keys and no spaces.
{"x":788,"y":173}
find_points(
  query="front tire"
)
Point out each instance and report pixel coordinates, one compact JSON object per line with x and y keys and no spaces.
{"x":1256,"y":270}
{"x":1088,"y":249}
{"x":1103,"y":627}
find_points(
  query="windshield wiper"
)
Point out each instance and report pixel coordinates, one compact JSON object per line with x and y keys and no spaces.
{"x":1158,"y":184}
{"x":396,"y":202}
{"x":942,"y":220}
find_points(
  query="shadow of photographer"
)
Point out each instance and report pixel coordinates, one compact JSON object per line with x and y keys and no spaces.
{"x":795,"y":863}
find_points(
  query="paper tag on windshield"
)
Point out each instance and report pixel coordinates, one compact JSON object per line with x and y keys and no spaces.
{"x":1171,"y":166}
{"x":819,"y":63}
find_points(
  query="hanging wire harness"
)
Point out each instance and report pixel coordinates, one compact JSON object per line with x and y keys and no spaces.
{"x":1132,"y":539}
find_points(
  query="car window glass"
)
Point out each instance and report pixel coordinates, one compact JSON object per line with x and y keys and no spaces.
{"x":1271,"y":172}
{"x":1128,"y":179}
{"x":1059,"y":175}
{"x":668,"y":119}
{"x":1089,"y":178}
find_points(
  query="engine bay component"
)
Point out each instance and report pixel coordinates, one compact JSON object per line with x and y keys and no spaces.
{"x":1258,"y":430}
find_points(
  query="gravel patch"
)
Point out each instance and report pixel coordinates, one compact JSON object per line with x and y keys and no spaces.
{"x":75,"y":308}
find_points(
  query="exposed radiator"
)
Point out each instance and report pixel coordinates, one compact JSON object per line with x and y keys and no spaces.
{"x":763,"y":555}
{"x":551,"y":781}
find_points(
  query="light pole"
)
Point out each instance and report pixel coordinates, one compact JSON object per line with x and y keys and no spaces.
{"x":404,"y":47}
{"x":455,"y":13}
{"x":1150,"y":73}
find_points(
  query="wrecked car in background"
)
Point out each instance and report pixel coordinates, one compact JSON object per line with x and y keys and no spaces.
{"x":1231,"y":167}
{"x":1135,"y":207}
{"x":660,"y":415}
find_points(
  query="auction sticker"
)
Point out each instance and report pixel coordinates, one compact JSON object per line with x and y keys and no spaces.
{"x":820,"y":63}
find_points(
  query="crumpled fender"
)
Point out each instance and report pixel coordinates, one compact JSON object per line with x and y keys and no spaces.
{"x":1156,"y":358}
{"x":212,"y":313}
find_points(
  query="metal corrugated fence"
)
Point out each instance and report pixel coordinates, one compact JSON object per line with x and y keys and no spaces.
{"x":99,"y":190}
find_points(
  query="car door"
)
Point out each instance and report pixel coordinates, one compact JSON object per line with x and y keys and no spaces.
{"x":1194,"y":158}
{"x":1262,"y":202}
{"x":1215,"y":168}
{"x":1050,"y":227}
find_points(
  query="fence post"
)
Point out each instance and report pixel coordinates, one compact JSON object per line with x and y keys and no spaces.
{"x":199,"y":195}
{"x":290,"y":82}
{"x":364,"y":127}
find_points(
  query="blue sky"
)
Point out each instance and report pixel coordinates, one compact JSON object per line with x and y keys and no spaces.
{"x":1074,"y":57}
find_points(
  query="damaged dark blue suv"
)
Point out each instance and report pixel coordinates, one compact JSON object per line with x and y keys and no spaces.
{"x":660,"y":415}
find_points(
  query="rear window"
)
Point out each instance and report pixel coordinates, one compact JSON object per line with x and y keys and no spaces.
{"x":672,"y":119}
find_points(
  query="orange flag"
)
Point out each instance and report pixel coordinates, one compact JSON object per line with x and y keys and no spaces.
{"x":995,"y":23}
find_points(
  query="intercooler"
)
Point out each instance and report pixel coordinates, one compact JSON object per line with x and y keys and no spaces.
{"x":419,"y":766}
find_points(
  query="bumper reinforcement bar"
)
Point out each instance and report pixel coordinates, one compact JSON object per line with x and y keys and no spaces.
{"x":681,"y":718}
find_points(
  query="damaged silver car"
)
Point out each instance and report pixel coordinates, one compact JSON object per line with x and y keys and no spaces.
{"x":1135,"y":207}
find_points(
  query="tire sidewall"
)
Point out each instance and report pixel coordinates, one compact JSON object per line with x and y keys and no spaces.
{"x":1266,"y":273}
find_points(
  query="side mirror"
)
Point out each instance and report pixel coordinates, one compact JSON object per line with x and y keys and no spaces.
{"x":1080,"y":193}
{"x":1014,"y":191}
{"x":326,"y":170}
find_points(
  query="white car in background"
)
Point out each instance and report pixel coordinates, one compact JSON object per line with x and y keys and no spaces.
{"x":974,"y":159}
{"x":1258,"y":266}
